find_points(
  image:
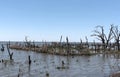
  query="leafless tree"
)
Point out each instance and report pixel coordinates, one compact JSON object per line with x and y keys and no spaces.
{"x":10,"y":54}
{"x":67,"y":40}
{"x":99,"y":33}
{"x":116,"y":34}
{"x":87,"y":42}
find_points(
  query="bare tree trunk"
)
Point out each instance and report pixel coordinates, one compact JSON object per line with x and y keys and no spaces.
{"x":118,"y":46}
{"x":94,"y":46}
{"x":10,"y":54}
{"x":67,"y":46}
{"x":29,"y":59}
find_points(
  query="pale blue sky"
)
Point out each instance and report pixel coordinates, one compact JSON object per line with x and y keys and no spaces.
{"x":49,"y":19}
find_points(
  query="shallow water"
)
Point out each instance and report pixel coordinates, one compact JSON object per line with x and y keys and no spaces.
{"x":78,"y":66}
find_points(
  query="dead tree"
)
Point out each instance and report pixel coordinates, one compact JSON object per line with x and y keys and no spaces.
{"x":10,"y":54}
{"x":34,"y":46}
{"x":27,"y":43}
{"x":81,"y":41}
{"x":68,"y":50}
{"x":87,"y":42}
{"x":81,"y":44}
{"x":60,"y":45}
{"x":94,"y":46}
{"x":2,"y":47}
{"x":116,"y":34}
{"x":60,"y":40}
{"x":110,"y":36}
{"x":100,"y":35}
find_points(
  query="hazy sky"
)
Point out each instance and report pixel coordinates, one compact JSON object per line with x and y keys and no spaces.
{"x":49,"y":19}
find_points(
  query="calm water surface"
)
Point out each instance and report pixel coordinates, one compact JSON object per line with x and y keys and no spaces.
{"x":79,"y":66}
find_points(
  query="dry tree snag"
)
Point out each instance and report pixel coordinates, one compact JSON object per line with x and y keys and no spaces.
{"x":60,"y":45}
{"x":67,"y":45}
{"x":29,"y":59}
{"x":116,"y":34}
{"x":100,"y":35}
{"x":2,"y":47}
{"x":87,"y":43}
{"x":10,"y":54}
{"x":60,"y":40}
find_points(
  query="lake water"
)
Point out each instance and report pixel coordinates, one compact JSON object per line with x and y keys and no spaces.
{"x":77,"y":66}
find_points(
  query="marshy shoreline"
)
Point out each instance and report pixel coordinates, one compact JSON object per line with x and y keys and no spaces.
{"x":109,"y":49}
{"x":73,"y":49}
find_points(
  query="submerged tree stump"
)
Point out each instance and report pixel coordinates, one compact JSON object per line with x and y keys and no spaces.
{"x":10,"y":54}
{"x":2,"y":49}
{"x":29,"y":60}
